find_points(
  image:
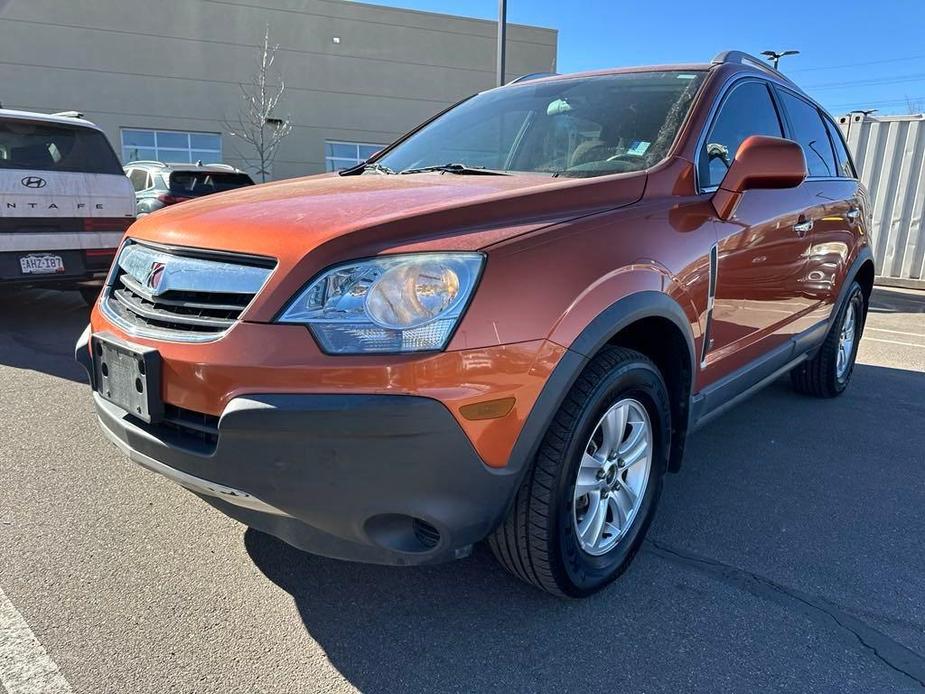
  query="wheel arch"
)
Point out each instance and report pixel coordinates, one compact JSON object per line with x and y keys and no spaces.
{"x":865,"y":276}
{"x":648,"y":321}
{"x":663,"y":341}
{"x":861,"y":270}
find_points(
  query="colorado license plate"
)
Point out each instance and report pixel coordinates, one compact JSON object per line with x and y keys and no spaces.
{"x":44,"y":264}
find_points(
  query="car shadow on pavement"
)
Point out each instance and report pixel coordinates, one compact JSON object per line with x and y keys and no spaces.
{"x":39,"y":328}
{"x":886,"y":300}
{"x":396,"y":629}
{"x":774,"y":501}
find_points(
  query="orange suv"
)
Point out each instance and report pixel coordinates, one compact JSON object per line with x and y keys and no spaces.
{"x":503,"y":326}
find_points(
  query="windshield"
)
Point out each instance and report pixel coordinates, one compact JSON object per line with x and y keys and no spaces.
{"x":585,"y":126}
{"x":55,"y":147}
{"x":206,"y":182}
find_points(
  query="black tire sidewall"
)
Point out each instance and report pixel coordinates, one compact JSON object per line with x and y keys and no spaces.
{"x":584,"y":573}
{"x":856,"y":299}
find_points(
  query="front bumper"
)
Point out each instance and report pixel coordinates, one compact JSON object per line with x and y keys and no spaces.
{"x":387,"y":479}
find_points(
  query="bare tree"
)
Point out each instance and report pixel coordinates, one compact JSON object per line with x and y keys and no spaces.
{"x":914,"y":106}
{"x":256,"y":125}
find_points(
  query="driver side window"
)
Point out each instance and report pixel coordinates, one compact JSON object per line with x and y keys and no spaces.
{"x":747,"y":111}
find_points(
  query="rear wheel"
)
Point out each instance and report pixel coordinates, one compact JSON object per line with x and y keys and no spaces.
{"x":584,"y":507}
{"x":827,"y":374}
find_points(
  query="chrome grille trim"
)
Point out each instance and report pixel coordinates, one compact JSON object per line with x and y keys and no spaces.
{"x":139,"y":309}
{"x":136,"y":288}
{"x":181,"y":294}
{"x":190,"y":274}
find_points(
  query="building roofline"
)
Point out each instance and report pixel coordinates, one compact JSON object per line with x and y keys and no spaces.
{"x":430,"y":13}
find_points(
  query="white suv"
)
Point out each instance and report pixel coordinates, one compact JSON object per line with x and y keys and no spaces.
{"x":64,"y":201}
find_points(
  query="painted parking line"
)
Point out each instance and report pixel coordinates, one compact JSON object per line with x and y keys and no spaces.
{"x":892,"y":342}
{"x":25,"y":667}
{"x":894,"y":332}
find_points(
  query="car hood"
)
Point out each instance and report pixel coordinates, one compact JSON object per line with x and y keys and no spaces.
{"x":309,"y":223}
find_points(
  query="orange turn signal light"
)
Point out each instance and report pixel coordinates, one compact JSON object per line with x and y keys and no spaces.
{"x":490,"y":409}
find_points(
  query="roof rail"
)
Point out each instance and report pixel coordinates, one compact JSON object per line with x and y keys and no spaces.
{"x":220,"y":166}
{"x":69,"y":114}
{"x":743,"y":58}
{"x":145,"y":161}
{"x":532,"y":76}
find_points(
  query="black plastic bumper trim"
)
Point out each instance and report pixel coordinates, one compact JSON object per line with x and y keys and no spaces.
{"x":347,"y":473}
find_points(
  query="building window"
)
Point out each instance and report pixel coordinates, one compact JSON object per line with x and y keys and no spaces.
{"x":171,"y":146}
{"x":342,"y":155}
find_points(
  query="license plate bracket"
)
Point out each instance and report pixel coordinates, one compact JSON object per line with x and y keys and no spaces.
{"x":128,"y":376}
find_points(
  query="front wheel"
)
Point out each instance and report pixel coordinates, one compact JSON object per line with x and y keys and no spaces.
{"x":583,"y":508}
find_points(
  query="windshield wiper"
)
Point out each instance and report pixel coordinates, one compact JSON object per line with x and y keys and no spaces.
{"x":379,"y":168}
{"x":460,"y":169}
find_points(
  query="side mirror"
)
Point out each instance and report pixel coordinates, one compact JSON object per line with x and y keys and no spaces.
{"x":761,"y":162}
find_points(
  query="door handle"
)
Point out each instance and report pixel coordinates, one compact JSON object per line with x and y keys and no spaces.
{"x":802,"y":228}
{"x":853,"y":215}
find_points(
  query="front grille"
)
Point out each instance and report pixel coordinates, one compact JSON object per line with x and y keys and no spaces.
{"x":193,"y":427}
{"x":184,"y":311}
{"x":194,"y":431}
{"x":181,"y":295}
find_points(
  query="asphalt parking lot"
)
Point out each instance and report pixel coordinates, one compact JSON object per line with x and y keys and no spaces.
{"x":789,"y":554}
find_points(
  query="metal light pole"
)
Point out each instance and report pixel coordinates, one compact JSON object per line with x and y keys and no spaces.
{"x":775,"y":56}
{"x":502,"y":38}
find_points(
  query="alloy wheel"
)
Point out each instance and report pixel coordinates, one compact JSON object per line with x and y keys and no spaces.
{"x":612,"y":477}
{"x":846,"y":340}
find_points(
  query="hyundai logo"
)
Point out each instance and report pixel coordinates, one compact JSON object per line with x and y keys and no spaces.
{"x":154,"y":276}
{"x":33,"y":182}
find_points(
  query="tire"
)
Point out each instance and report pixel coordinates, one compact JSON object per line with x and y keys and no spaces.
{"x":823,"y":376}
{"x":539,"y":540}
{"x":89,"y":294}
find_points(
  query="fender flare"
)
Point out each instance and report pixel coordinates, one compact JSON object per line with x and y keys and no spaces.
{"x":864,"y":255}
{"x":609,"y":322}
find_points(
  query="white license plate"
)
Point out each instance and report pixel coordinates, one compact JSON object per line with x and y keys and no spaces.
{"x":41,"y":264}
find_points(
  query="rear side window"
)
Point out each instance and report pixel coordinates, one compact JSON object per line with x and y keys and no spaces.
{"x":842,"y":159}
{"x":206,"y":182}
{"x":55,"y":147}
{"x":810,"y":132}
{"x":747,"y":111}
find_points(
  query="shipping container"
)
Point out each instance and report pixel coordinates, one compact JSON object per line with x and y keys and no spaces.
{"x":889,"y":153}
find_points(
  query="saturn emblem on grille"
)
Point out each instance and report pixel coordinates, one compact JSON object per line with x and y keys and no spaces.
{"x":155,"y":276}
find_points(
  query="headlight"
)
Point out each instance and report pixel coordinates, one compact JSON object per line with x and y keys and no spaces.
{"x":397,"y":303}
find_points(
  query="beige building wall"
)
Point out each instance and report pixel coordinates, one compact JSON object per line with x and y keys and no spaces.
{"x":177,"y":65}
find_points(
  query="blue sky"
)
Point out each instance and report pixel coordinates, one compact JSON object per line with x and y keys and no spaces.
{"x":854,"y":53}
